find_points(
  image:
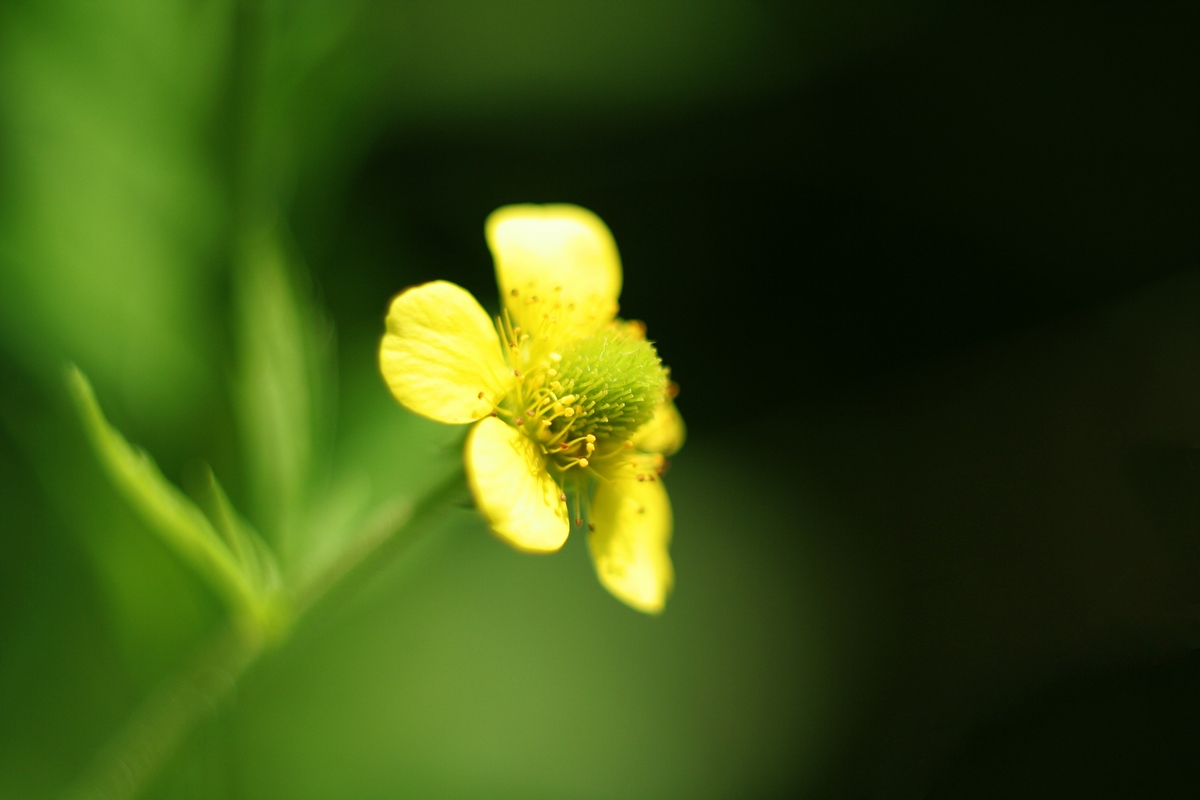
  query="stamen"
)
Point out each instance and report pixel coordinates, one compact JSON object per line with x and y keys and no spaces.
{"x":587,"y":508}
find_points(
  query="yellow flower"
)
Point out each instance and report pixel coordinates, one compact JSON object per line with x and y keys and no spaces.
{"x":571,"y":407}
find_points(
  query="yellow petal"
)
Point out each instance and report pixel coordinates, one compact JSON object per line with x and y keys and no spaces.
{"x":632,"y":521}
{"x":516,"y":495}
{"x":441,"y":354}
{"x":561,"y":262}
{"x":664,"y":433}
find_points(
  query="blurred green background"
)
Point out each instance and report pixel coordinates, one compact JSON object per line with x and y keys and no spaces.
{"x":927,"y":277}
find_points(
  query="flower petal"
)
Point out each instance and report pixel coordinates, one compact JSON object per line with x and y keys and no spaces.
{"x":561,"y":262}
{"x":632,"y":521}
{"x":441,"y":354}
{"x":516,"y":495}
{"x":664,"y":433}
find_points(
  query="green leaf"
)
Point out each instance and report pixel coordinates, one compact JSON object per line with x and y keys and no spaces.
{"x":112,"y":208}
{"x":236,"y":566}
{"x":285,"y":379}
{"x":254,"y":555}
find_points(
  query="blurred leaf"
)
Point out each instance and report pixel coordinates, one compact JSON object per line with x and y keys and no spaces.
{"x":172,"y":515}
{"x":284,"y":385}
{"x":252,"y":553}
{"x":111,"y":208}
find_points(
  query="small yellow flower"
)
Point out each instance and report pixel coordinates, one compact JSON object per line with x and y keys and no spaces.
{"x":571,"y":407}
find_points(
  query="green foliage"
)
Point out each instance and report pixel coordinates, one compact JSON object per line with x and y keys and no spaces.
{"x":285,"y":384}
{"x":236,"y":562}
{"x":110,"y":200}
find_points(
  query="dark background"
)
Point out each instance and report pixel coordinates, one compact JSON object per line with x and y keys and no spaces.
{"x":926,"y":274}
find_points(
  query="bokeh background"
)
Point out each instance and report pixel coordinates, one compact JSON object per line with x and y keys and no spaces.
{"x":927,"y":274}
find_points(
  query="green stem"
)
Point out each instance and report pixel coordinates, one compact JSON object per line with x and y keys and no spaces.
{"x":123,"y":768}
{"x":378,"y":545}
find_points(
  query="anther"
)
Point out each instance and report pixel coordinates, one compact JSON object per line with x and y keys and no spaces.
{"x":578,"y":521}
{"x":583,"y":462}
{"x":562,"y":496}
{"x":494,"y":414}
{"x":520,"y":422}
{"x":555,"y":357}
{"x":517,"y":372}
{"x":568,"y":412}
{"x":590,"y":438}
{"x":480,"y":395}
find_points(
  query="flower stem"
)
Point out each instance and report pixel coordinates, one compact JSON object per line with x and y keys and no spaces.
{"x":122,"y":769}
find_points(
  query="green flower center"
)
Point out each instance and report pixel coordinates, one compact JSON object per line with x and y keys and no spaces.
{"x":585,"y":403}
{"x":613,"y":381}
